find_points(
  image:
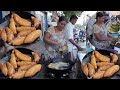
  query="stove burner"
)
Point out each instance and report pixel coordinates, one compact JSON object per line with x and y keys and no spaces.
{"x":58,"y":74}
{"x":53,"y":76}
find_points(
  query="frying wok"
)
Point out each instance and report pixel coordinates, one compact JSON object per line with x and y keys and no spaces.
{"x":59,"y":72}
{"x":25,"y":15}
{"x":86,"y":59}
{"x":22,"y":50}
{"x":3,"y":49}
{"x":7,"y":58}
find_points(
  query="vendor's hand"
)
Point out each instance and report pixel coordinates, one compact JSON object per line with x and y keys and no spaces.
{"x":109,"y":39}
{"x":80,"y":49}
{"x":115,"y":39}
{"x":59,"y":44}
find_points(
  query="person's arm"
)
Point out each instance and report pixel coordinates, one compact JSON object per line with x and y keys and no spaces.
{"x":109,"y":35}
{"x":48,"y":40}
{"x":73,"y":42}
{"x":97,"y":35}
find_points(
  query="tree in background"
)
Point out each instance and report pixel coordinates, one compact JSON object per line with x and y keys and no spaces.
{"x":69,"y":13}
{"x":78,"y":26}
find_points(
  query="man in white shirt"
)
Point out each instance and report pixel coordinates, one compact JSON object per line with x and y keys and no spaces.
{"x":69,"y":33}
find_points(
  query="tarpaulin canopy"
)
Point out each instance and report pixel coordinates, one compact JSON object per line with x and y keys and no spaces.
{"x":115,"y":12}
